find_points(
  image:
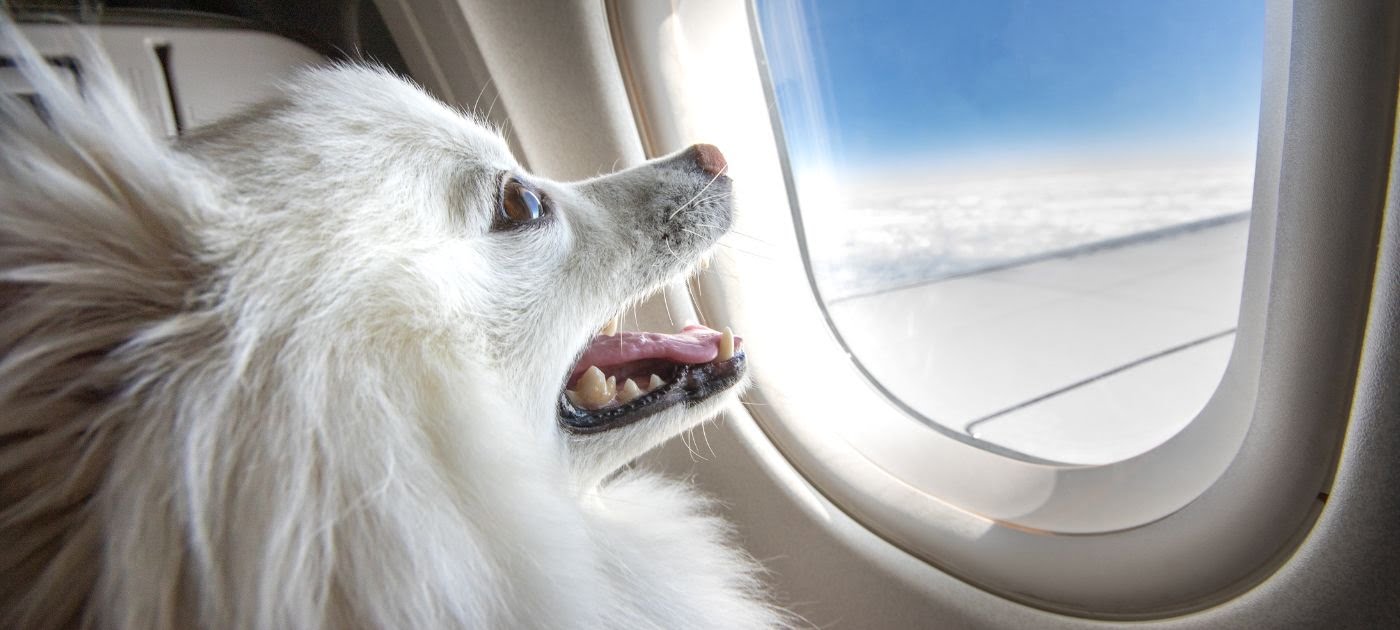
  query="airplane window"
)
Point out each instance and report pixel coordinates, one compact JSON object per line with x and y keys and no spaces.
{"x":1026,"y":220}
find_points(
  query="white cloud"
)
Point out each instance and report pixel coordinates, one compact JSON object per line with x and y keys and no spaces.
{"x":879,"y":235}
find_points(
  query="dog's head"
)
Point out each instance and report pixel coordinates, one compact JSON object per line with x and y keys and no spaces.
{"x":373,"y":208}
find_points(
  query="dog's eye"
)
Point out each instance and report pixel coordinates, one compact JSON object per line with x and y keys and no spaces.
{"x":520,"y":204}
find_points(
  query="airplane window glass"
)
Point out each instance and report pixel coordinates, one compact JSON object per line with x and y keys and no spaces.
{"x":1026,"y":220}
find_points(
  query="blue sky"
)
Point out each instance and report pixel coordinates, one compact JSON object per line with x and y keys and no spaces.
{"x":938,"y":79}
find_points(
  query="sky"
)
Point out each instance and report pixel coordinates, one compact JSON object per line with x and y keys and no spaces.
{"x":874,"y":83}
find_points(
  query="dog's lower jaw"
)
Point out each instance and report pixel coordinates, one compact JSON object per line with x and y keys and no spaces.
{"x":596,"y":457}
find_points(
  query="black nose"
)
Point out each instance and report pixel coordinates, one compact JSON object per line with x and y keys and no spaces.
{"x":709,"y":159}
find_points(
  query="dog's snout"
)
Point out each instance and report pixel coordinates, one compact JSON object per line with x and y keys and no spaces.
{"x":709,"y":159}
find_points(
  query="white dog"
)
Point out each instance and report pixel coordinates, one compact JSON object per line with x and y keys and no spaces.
{"x":308,"y":369}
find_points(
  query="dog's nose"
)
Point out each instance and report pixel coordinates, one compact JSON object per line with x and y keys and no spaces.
{"x":709,"y":159}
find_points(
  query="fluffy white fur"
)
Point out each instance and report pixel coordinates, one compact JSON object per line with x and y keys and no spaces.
{"x":283,"y":375}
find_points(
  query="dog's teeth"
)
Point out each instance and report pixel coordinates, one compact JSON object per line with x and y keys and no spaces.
{"x":610,"y":329}
{"x":612,"y":386}
{"x":573,"y":398}
{"x":655,"y":383}
{"x":726,"y":345}
{"x":593,"y":390}
{"x":629,"y":393}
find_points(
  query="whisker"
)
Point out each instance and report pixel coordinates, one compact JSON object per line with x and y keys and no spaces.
{"x":714,"y":197}
{"x":667,"y":302}
{"x":475,"y":103}
{"x":731,"y":231}
{"x":746,"y":252}
{"x":688,"y":439}
{"x":722,"y":274}
{"x":706,"y":436}
{"x":698,"y":194}
{"x":752,"y":238}
{"x":493,"y":105}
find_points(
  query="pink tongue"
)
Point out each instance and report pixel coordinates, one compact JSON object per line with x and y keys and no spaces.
{"x":694,"y":344}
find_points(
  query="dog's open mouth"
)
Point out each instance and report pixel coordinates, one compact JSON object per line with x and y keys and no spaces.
{"x":624,"y":377}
